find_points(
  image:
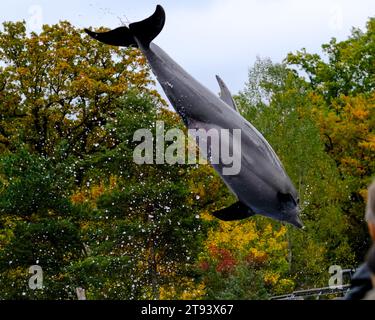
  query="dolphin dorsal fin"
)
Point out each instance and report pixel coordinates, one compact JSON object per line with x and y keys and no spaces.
{"x":225,"y":94}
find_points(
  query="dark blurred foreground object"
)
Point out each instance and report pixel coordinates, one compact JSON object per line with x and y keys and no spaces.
{"x":361,"y":282}
{"x":371,"y":267}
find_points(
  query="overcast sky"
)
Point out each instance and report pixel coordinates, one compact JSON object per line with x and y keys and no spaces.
{"x":211,"y":37}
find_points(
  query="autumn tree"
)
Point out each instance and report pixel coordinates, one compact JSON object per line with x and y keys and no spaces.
{"x":245,"y":260}
{"x":146,"y":214}
{"x":59,"y":88}
{"x":341,"y":87}
{"x":72,"y":200}
{"x":277,"y":101}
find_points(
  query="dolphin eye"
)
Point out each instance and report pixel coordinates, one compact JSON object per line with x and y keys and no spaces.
{"x":286,"y":198}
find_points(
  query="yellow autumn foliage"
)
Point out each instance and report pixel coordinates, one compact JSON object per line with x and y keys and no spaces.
{"x":245,"y":236}
{"x":191,"y":291}
{"x":90,"y":195}
{"x":263,"y":248}
{"x":347,"y":126}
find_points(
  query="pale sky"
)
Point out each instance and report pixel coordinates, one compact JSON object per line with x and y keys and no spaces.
{"x":211,"y":37}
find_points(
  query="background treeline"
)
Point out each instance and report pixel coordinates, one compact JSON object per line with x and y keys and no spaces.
{"x":73,"y":201}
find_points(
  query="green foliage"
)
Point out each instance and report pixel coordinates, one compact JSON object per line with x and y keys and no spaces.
{"x":31,"y":184}
{"x":48,"y":242}
{"x":73,"y":201}
{"x":286,"y":121}
{"x":103,"y":277}
{"x":342,"y":104}
{"x":243,"y":284}
{"x":59,"y":88}
{"x":349,"y":68}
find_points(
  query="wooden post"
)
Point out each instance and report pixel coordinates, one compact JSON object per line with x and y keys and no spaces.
{"x":81,"y":293}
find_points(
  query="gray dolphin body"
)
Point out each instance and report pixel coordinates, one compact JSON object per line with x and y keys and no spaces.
{"x":262,"y":185}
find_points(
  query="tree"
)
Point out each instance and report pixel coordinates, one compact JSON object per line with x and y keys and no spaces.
{"x":40,"y":226}
{"x":246,"y":260}
{"x":348,"y":68}
{"x":147,"y":215}
{"x":60,"y":88}
{"x":342,"y":102}
{"x":286,"y":120}
{"x":71,"y":197}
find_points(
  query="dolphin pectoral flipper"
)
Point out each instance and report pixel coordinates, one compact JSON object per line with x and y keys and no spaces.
{"x":225,"y":94}
{"x":236,"y":211}
{"x":142,"y":32}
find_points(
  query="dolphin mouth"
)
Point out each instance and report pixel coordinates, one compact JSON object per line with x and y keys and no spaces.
{"x":297,"y":222}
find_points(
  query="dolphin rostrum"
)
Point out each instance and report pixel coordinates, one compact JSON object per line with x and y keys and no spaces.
{"x":262,"y":185}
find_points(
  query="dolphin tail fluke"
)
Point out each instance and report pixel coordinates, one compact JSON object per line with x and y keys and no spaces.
{"x":147,"y":30}
{"x":138,"y":33}
{"x":120,"y":37}
{"x":236,"y":211}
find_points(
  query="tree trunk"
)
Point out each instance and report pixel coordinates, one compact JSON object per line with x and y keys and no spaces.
{"x":153,"y":271}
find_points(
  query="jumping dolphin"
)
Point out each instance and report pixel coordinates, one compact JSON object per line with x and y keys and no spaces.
{"x":262,"y":185}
